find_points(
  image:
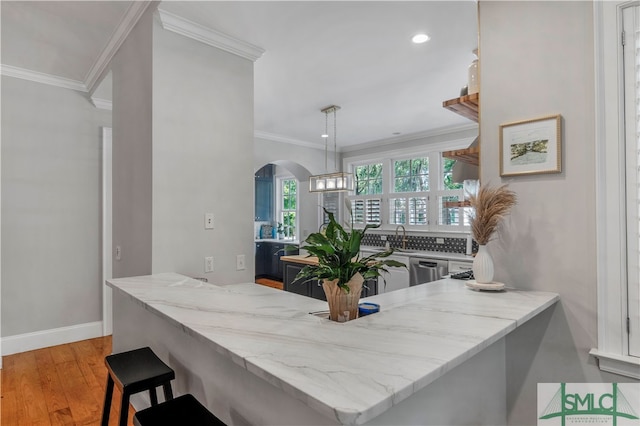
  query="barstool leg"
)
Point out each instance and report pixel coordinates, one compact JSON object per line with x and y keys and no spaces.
{"x":124,"y":409}
{"x":154,"y":396}
{"x":107,"y":402}
{"x":168,"y":393}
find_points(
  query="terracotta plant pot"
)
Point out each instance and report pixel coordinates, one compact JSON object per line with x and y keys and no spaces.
{"x":343,"y":306}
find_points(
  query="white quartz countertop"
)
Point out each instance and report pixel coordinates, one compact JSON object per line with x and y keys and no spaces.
{"x":350,"y":372}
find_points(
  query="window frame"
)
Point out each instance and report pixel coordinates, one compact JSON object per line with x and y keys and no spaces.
{"x":280,"y":181}
{"x":433,"y":152}
{"x":612,"y":287}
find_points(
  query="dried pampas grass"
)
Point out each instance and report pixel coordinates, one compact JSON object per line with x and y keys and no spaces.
{"x":490,"y":206}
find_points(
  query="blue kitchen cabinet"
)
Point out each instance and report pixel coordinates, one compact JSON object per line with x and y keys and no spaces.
{"x":264,"y":194}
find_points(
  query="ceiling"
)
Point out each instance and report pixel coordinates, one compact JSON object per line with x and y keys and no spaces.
{"x":357,"y":55}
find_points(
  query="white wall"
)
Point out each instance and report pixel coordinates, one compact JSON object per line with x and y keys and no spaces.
{"x":51,"y":210}
{"x":202,"y":158}
{"x":268,"y":151}
{"x":457,"y":137}
{"x":132,"y":145}
{"x":536,"y":59}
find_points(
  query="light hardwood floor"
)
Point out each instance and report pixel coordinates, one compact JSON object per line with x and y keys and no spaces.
{"x":60,"y":385}
{"x":270,"y":283}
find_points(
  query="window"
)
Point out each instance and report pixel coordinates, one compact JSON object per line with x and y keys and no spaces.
{"x":369,"y":179}
{"x":447,"y":174}
{"x":416,"y":191}
{"x":366,"y":211}
{"x":617,"y":191}
{"x":288,"y":206}
{"x":411,"y":175}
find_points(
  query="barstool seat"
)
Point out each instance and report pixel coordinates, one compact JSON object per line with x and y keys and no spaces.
{"x":184,"y":410}
{"x":135,"y":371}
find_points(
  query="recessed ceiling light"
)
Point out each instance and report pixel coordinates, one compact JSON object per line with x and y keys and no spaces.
{"x":324,"y":135}
{"x":420,"y":38}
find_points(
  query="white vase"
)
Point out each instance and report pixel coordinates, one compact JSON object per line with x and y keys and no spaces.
{"x":483,"y":266}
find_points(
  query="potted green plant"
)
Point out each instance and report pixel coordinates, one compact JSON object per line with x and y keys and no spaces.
{"x":340,"y":268}
{"x":280,"y":231}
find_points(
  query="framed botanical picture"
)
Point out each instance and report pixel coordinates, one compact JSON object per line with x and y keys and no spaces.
{"x":531,"y":146}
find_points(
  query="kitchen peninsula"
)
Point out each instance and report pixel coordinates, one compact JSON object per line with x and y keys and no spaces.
{"x":256,"y":355}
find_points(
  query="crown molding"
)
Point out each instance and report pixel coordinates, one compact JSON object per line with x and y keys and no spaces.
{"x":411,"y":137}
{"x":102,"y":103}
{"x":40,"y":77}
{"x":187,"y":28}
{"x":129,"y":20}
{"x":283,"y":139}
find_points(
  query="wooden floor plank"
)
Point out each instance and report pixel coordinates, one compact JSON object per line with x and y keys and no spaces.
{"x":83,"y":404}
{"x":60,"y":385}
{"x":54,"y":394}
{"x":62,"y":353}
{"x":31,"y":396}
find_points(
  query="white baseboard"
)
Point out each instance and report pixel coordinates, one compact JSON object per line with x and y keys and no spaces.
{"x":45,"y":338}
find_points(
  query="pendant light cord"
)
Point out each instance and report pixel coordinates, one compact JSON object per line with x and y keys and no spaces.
{"x":326,"y":142}
{"x":335,"y":142}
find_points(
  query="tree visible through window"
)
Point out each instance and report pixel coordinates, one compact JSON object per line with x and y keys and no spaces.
{"x":369,"y":179}
{"x":418,"y":191}
{"x":411,"y":175}
{"x":447,"y":174}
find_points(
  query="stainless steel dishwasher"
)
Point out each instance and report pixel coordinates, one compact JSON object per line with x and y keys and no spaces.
{"x":423,"y":270}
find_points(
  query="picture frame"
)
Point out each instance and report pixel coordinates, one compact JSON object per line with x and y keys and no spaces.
{"x":531,"y":147}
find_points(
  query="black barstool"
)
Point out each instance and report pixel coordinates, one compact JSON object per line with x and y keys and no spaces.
{"x":185,"y":410}
{"x":135,"y":371}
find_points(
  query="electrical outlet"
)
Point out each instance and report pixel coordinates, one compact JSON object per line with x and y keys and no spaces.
{"x":208,"y":221}
{"x":240,"y":262}
{"x":118,"y":253}
{"x":383,"y":238}
{"x":208,"y":264}
{"x":439,"y":240}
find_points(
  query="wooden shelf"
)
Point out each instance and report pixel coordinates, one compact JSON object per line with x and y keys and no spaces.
{"x":466,"y":106}
{"x":453,"y":204}
{"x":469,"y":155}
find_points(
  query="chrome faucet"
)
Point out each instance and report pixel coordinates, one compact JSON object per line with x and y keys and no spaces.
{"x":404,"y":236}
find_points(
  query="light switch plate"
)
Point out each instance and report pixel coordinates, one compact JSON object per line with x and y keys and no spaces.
{"x":208,"y":221}
{"x":240,"y":262}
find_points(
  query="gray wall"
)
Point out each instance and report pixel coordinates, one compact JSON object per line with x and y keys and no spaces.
{"x":132,"y":179}
{"x":51,"y":207}
{"x":268,"y":151}
{"x":202,"y":158}
{"x":536,"y":59}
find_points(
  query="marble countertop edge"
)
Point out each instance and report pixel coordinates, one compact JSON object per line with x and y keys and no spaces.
{"x":439,"y":298}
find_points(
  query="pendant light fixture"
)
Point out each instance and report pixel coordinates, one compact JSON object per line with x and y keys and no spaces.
{"x":336,"y":181}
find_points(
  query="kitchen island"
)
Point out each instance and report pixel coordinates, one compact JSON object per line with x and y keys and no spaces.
{"x":256,"y":355}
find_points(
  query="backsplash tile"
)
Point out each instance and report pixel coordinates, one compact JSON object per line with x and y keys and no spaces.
{"x":451,"y":245}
